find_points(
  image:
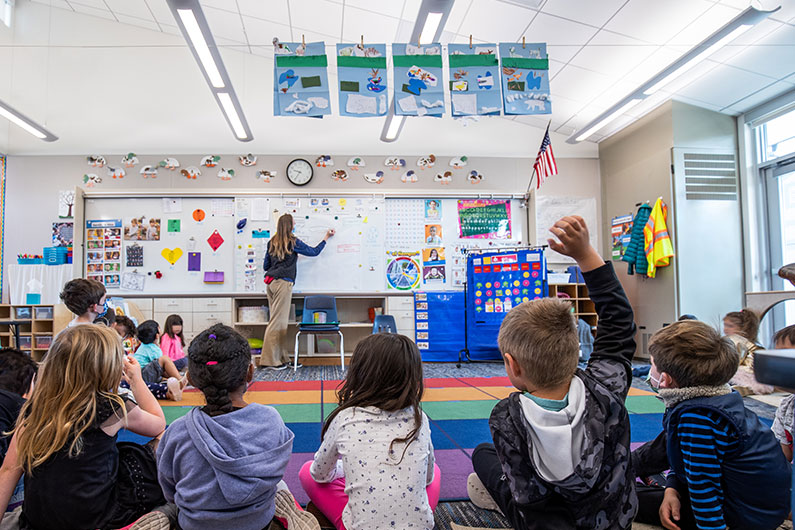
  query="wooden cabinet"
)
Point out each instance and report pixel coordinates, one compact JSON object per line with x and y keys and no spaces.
{"x":577,"y":293}
{"x":37,"y":328}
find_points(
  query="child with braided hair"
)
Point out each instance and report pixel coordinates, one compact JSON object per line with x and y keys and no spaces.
{"x":222,"y":464}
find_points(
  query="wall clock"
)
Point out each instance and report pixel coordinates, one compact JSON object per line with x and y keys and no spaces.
{"x":299,"y":172}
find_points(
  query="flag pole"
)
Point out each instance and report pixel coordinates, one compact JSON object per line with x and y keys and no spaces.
{"x":530,"y":184}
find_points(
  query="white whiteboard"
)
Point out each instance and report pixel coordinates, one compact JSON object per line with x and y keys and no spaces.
{"x":550,"y":209}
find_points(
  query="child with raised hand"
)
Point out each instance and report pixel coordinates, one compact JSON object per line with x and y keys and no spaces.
{"x":76,"y":476}
{"x":172,"y":341}
{"x":375,"y":466}
{"x":222,"y":464}
{"x":560,"y":457}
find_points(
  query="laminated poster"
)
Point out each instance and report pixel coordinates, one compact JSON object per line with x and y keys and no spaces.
{"x":525,"y":78}
{"x":103,"y":251}
{"x":474,"y":79}
{"x":484,"y":219}
{"x":621,"y":232}
{"x":419,"y":88}
{"x":403,"y":271}
{"x":361,"y":70}
{"x":300,"y":80}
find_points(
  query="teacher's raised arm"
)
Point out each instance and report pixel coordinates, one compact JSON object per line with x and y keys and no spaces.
{"x":280,"y":272}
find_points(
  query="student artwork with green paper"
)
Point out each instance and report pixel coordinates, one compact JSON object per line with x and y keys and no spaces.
{"x":300,"y":79}
{"x":474,"y":79}
{"x":419,"y":88}
{"x":174,"y":225}
{"x":525,"y":78}
{"x":361,"y":69}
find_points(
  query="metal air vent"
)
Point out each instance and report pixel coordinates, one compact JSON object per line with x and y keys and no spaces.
{"x":710,"y":177}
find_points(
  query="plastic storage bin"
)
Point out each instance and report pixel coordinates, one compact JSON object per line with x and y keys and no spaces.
{"x":43,"y":341}
{"x":43,"y":313}
{"x":55,"y":255}
{"x":24,"y":341}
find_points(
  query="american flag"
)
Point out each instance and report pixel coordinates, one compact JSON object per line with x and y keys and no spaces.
{"x":545,"y":165}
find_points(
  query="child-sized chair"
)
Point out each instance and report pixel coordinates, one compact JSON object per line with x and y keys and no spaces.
{"x":384,"y":324}
{"x":319,"y":318}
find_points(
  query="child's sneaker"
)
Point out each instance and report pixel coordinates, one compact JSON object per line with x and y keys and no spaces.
{"x":295,"y":517}
{"x":479,"y":495}
{"x":175,"y":387}
{"x":152,"y":521}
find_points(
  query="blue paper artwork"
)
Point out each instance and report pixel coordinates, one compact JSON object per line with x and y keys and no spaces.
{"x":474,"y":79}
{"x":525,"y":78}
{"x":300,"y":79}
{"x":361,"y":70}
{"x":419,"y":88}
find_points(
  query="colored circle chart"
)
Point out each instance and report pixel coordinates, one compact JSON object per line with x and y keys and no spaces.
{"x":403,"y":273}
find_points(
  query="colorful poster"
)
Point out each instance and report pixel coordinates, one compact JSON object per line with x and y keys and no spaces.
{"x":402,"y":270}
{"x":433,"y":266}
{"x":63,"y":234}
{"x":433,"y":209}
{"x":142,"y":229}
{"x":361,"y":70}
{"x":300,"y":80}
{"x":103,"y":251}
{"x":484,"y":219}
{"x":525,"y":78}
{"x":474,"y":79}
{"x":433,"y":235}
{"x":419,"y":89}
{"x":621,"y":232}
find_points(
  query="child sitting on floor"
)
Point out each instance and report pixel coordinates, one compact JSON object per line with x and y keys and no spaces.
{"x":726,"y":466}
{"x":76,"y":476}
{"x":154,"y":365}
{"x":783,"y":424}
{"x":386,"y":477}
{"x":173,"y":341}
{"x":222,"y":464}
{"x":742,"y":327}
{"x":125,"y":327}
{"x":560,"y":457}
{"x":86,"y":299}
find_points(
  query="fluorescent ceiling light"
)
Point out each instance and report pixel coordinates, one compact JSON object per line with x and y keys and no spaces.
{"x":393,"y":126}
{"x":6,"y":9}
{"x":431,"y":25}
{"x":19,"y":119}
{"x":747,"y":19}
{"x":231,"y":113}
{"x":200,"y":45}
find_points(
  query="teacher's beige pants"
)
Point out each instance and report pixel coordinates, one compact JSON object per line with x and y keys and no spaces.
{"x":280,"y":293}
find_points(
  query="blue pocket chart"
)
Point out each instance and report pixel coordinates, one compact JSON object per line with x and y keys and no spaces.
{"x":474,"y":79}
{"x":361,"y":70}
{"x":300,"y":80}
{"x":525,"y":78}
{"x":419,"y":87}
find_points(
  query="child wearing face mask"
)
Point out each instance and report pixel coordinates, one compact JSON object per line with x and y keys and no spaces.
{"x":86,"y":299}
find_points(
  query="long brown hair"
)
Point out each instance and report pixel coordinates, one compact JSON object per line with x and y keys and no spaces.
{"x":386,"y":373}
{"x":747,"y":322}
{"x":83,"y":366}
{"x":283,"y":242}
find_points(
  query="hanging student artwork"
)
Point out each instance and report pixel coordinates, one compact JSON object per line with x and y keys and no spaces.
{"x":409,"y":177}
{"x":215,"y":240}
{"x":264,"y":175}
{"x":129,"y":160}
{"x":458,"y":162}
{"x":419,"y":90}
{"x":171,"y":255}
{"x":116,"y":172}
{"x":96,"y":160}
{"x":169,"y":163}
{"x":361,"y":70}
{"x":474,"y":177}
{"x":226,"y":173}
{"x":339,"y":175}
{"x":300,"y":79}
{"x":248,"y":160}
{"x":324,"y":161}
{"x":374,"y":178}
{"x":525,"y":78}
{"x":91,"y":180}
{"x":474,"y":74}
{"x":210,"y":161}
{"x":395,"y":163}
{"x":149,"y":171}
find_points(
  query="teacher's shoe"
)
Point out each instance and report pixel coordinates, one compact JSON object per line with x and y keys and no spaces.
{"x":282,"y":366}
{"x":288,"y":511}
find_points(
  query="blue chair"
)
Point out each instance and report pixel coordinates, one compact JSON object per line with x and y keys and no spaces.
{"x":319,"y":325}
{"x":384,"y":324}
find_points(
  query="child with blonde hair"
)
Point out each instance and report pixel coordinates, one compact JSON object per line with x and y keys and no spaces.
{"x":76,"y":475}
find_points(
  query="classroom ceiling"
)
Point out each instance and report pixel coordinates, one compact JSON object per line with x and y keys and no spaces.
{"x":116,"y":75}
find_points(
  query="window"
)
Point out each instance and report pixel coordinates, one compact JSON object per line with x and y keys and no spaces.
{"x":776,"y":138}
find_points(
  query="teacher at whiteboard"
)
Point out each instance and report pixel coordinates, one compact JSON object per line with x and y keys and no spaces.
{"x":280,"y":272}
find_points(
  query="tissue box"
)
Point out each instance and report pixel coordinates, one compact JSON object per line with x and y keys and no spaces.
{"x":214,"y":277}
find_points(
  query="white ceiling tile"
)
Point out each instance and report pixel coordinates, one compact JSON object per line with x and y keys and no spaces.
{"x":784,"y":35}
{"x":97,"y":4}
{"x":555,"y":67}
{"x":654,"y":21}
{"x":391,"y":8}
{"x":93,"y":11}
{"x":585,"y":11}
{"x":697,"y":103}
{"x":786,"y":13}
{"x":726,"y":53}
{"x":562,"y":53}
{"x":133,"y":8}
{"x":161,"y":12}
{"x":457,"y":14}
{"x":226,"y":5}
{"x":723,"y":86}
{"x":648,"y":104}
{"x":554,"y":30}
{"x":262,"y":32}
{"x":699,"y":29}
{"x":763,"y":29}
{"x":311,"y":36}
{"x":535,"y":121}
{"x":403,"y":33}
{"x":225,"y":24}
{"x":318,"y":16}
{"x":494,"y":21}
{"x":652,"y":65}
{"x":579,"y":84}
{"x":140,"y":22}
{"x":275,"y":10}
{"x":170,"y":29}
{"x":761,"y":96}
{"x":776,"y":61}
{"x":411,"y":9}
{"x":616,"y":58}
{"x":60,"y":4}
{"x":373,"y":26}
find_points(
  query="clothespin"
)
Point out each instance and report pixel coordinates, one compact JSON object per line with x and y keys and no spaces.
{"x":303,"y":40}
{"x":523,"y":42}
{"x":470,"y":41}
{"x":362,"y":41}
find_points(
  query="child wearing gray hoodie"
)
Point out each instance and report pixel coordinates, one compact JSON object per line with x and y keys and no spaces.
{"x":222,"y":464}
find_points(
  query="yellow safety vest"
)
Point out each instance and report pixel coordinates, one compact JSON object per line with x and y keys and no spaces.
{"x":658,"y":245}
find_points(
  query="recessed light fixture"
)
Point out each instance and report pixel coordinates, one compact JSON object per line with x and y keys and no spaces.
{"x":749,"y":18}
{"x":20,"y":120}
{"x":193,"y":25}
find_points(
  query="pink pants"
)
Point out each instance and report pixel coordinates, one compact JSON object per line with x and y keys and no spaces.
{"x":330,"y":498}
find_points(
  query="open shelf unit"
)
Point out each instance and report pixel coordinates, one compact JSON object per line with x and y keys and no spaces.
{"x":578,"y":295}
{"x":36,"y":331}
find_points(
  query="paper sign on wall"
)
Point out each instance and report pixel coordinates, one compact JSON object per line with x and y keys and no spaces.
{"x":194,"y":261}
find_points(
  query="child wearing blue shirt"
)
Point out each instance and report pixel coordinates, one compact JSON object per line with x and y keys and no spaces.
{"x":154,"y":365}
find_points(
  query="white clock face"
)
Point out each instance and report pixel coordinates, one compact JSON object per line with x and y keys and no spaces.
{"x":299,"y":172}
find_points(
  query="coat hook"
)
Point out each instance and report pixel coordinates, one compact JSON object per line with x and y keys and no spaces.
{"x":523,"y":42}
{"x":470,"y":41}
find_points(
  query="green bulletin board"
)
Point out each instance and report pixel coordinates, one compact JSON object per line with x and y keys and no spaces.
{"x":484,"y":218}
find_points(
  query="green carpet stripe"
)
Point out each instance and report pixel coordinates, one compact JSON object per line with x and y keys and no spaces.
{"x":644,"y":405}
{"x":299,"y":412}
{"x":459,"y":410}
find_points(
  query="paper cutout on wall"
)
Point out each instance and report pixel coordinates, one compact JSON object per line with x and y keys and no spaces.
{"x":444,"y":178}
{"x":307,"y":63}
{"x":174,"y":225}
{"x":226,"y":173}
{"x":339,"y":176}
{"x":264,"y":175}
{"x":474,"y":79}
{"x":361,"y":70}
{"x":474,"y":177}
{"x":395,"y":163}
{"x":194,"y":261}
{"x":324,"y":161}
{"x":210,"y":161}
{"x":91,"y":180}
{"x":248,"y":160}
{"x":458,"y":162}
{"x":191,"y":172}
{"x":199,"y":215}
{"x":129,"y":160}
{"x":525,"y":78}
{"x":96,"y":160}
{"x":172,"y":255}
{"x":215,"y":240}
{"x":426,"y":162}
{"x":116,"y":172}
{"x":169,"y":163}
{"x":374,"y":178}
{"x":356,"y":162}
{"x":149,"y":171}
{"x":409,"y":176}
{"x":419,"y":90}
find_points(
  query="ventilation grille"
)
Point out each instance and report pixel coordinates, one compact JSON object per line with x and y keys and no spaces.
{"x":645,"y":338}
{"x":710,"y":177}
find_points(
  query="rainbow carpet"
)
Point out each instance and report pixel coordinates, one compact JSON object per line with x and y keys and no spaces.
{"x":458,"y":409}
